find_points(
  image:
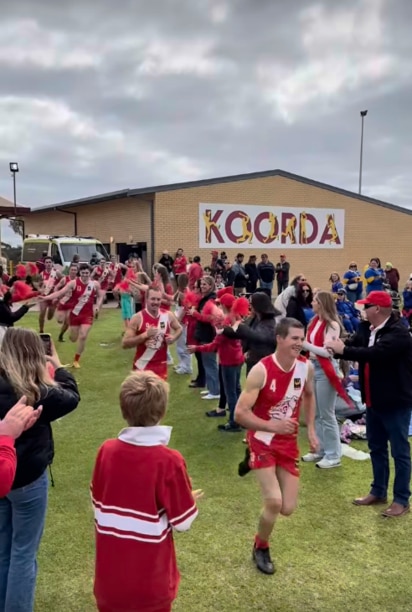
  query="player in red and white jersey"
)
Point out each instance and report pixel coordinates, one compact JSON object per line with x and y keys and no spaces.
{"x":49,"y":279}
{"x":102,"y":274}
{"x":269,"y":409}
{"x":150,"y":332}
{"x":84,"y":291}
{"x":64,"y":305}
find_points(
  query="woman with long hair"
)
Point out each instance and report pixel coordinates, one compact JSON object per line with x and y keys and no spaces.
{"x":257,"y":332}
{"x":300,"y":306}
{"x":323,"y":327}
{"x":24,"y":372}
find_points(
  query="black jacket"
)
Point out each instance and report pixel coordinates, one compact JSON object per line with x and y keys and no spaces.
{"x":390,"y":364}
{"x":258,"y":338}
{"x":295,"y":311}
{"x":204,"y":332}
{"x":7,"y":317}
{"x":35,"y":446}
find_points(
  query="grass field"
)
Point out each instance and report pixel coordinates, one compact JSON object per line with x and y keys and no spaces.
{"x":330,"y":554}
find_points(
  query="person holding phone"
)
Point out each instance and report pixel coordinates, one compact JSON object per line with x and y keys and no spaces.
{"x":18,"y":419}
{"x":8,"y":317}
{"x":24,"y":372}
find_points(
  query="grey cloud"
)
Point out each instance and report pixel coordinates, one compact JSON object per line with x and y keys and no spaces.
{"x":141,"y":93}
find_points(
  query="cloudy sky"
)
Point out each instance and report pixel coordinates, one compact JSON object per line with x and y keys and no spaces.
{"x":100,"y":95}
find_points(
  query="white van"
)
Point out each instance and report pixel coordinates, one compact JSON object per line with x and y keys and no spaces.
{"x":61,"y":249}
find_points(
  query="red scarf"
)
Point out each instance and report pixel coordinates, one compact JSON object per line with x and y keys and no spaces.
{"x":326,"y":363}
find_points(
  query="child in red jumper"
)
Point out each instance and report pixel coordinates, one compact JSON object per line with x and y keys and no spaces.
{"x":141,"y":492}
{"x":231,"y":359}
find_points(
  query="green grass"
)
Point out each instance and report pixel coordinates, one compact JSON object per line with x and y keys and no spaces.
{"x":330,"y":554}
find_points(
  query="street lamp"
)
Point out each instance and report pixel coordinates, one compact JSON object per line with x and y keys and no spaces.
{"x":14,"y":167}
{"x":363,"y":115}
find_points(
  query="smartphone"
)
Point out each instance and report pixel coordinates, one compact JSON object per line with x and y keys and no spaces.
{"x":46,"y":339}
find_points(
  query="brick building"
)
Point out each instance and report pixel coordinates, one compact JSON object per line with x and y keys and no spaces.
{"x":319,"y":227}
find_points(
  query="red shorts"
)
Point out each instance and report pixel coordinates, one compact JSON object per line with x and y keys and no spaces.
{"x":77,"y":320}
{"x":63,"y":307}
{"x":157,"y":368}
{"x":284,"y":455}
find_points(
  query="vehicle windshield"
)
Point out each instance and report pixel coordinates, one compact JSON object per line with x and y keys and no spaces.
{"x":33,"y":251}
{"x":84,"y":251}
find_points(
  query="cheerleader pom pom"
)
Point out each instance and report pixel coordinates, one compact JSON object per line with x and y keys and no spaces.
{"x":32,"y":269}
{"x":213,"y":312}
{"x":21,"y":271}
{"x":190,"y":299}
{"x":241,"y":307}
{"x":22,"y":292}
{"x":122,"y":287}
{"x":131,"y":274}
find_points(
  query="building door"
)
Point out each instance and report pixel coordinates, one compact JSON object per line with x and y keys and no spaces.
{"x":123,"y":251}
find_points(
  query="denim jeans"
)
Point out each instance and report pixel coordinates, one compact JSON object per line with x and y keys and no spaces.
{"x":184,"y":357}
{"x":22,"y":515}
{"x":231,"y":384}
{"x":327,"y":428}
{"x":211,"y":372}
{"x":264,"y":285}
{"x":383,"y":427}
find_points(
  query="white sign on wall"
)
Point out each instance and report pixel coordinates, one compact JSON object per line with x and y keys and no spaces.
{"x":231,"y":225}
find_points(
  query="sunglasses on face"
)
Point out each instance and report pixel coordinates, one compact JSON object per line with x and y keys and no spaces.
{"x":366,"y":306}
{"x":305,"y":290}
{"x":352,"y":266}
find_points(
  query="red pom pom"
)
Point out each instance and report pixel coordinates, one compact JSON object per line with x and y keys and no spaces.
{"x":122,"y":287}
{"x":241,"y":307}
{"x":32,"y":269}
{"x":21,"y":271}
{"x":190,"y":299}
{"x":213,"y":312}
{"x":22,"y":292}
{"x":131,"y":274}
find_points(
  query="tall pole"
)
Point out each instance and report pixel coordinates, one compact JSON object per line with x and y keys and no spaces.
{"x":14,"y":194}
{"x":363,"y":115}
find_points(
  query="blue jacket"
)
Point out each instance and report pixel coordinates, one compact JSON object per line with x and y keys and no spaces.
{"x":374,"y":279}
{"x":344,"y":307}
{"x":407,"y":299}
{"x":348,"y":278}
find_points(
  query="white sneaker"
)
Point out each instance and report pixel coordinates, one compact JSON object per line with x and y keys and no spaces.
{"x":328,"y":463}
{"x":210,"y":396}
{"x":311,"y":457}
{"x":204,"y":392}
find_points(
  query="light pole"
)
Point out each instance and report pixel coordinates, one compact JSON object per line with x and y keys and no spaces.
{"x":363,"y":115}
{"x":14,"y":167}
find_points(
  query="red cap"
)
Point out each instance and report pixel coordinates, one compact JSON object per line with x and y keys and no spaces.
{"x":377,"y":298}
{"x":227,"y":300}
{"x":214,"y":252}
{"x":224,"y":291}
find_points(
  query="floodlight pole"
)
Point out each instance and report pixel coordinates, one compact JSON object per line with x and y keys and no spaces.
{"x":363,"y":115}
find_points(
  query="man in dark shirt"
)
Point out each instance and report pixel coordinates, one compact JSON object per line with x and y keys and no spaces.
{"x":383,"y":347}
{"x":282,"y":273}
{"x":167,"y":261}
{"x":266,"y":272}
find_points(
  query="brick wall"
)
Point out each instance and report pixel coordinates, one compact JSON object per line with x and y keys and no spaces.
{"x":370,"y":230}
{"x":126,"y":220}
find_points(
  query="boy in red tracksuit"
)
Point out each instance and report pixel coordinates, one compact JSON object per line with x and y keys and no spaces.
{"x":231,"y":359}
{"x":141,"y":492}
